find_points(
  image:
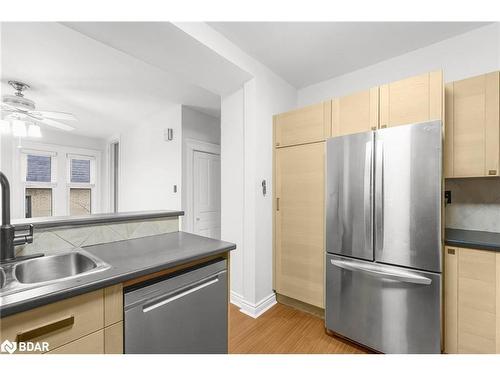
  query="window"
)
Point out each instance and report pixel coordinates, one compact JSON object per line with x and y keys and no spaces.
{"x":80,"y":171}
{"x":80,"y":201}
{"x":38,"y":202}
{"x":38,"y":168}
{"x":55,"y":180}
{"x":38,"y":175}
{"x":80,"y":184}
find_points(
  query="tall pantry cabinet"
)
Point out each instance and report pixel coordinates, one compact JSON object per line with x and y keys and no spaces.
{"x":299,"y":169}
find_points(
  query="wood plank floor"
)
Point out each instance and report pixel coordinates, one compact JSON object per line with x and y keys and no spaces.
{"x":282,"y":330}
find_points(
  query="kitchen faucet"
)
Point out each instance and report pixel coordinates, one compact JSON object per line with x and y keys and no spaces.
{"x":8,"y":236}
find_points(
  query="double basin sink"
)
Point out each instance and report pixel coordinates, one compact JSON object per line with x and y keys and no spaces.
{"x":37,"y":272}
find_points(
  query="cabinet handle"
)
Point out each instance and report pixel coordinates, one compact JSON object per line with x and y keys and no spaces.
{"x":277,"y":204}
{"x":46,"y":329}
{"x":492,"y":172}
{"x":383,"y":126}
{"x":374,"y":128}
{"x":277,"y":143}
{"x":451,"y":251}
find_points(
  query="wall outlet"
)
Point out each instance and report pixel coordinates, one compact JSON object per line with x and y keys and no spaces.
{"x":447,"y":197}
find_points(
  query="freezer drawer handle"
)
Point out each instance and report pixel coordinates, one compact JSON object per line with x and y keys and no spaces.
{"x":174,"y":296}
{"x":402,"y":276}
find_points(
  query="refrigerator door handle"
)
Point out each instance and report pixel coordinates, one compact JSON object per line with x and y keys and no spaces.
{"x":379,"y":195}
{"x":382,"y":272}
{"x":367,"y":199}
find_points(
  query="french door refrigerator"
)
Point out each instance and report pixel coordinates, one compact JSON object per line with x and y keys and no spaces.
{"x":383,"y":238}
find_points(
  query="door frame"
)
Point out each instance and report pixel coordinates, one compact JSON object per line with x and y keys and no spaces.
{"x":193,"y":145}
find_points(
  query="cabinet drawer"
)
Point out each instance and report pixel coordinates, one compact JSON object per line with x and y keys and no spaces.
{"x":58,"y":323}
{"x":90,"y":344}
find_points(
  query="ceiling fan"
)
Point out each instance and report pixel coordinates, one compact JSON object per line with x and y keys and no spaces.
{"x":20,"y":108}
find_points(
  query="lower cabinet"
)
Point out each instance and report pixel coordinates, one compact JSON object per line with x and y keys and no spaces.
{"x":90,"y":323}
{"x":90,"y":344}
{"x":472,"y":301}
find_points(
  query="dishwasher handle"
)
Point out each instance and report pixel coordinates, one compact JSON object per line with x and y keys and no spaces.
{"x":180,"y":293}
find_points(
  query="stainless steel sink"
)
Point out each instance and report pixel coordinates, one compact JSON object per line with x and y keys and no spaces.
{"x":57,"y":267}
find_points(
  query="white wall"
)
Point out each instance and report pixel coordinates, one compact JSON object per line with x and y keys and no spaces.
{"x":232,"y":182}
{"x":465,"y":55}
{"x":251,"y":154}
{"x":151,"y":166}
{"x":200,"y":126}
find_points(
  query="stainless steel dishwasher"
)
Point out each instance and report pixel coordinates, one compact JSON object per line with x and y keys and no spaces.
{"x":184,"y":313}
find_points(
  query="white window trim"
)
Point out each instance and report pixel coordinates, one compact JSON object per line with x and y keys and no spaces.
{"x":59,"y":154}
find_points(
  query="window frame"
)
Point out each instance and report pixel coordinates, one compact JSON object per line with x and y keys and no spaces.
{"x":81,"y":185}
{"x":59,"y":175}
{"x":24,"y":152}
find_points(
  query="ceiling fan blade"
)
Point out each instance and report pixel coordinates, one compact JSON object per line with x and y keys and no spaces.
{"x":54,"y":115}
{"x":8,"y":107}
{"x":53,"y":123}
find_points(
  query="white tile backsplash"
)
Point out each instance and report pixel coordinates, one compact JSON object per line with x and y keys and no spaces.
{"x":475,"y":204}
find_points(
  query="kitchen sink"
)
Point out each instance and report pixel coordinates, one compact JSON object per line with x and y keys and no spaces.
{"x":57,"y":267}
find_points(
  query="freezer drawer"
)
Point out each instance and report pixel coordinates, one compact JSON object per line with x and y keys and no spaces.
{"x":349,"y":174}
{"x":184,"y":314}
{"x":389,"y":309}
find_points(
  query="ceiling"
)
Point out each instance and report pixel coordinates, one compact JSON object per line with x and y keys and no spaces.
{"x":304,"y":53}
{"x":109,"y":89}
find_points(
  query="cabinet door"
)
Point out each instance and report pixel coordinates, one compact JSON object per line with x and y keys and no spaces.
{"x":477,"y":313}
{"x":299,"y":223}
{"x":355,"y":113}
{"x":90,"y":344}
{"x":305,"y":125}
{"x":472,"y":127}
{"x":412,"y":100}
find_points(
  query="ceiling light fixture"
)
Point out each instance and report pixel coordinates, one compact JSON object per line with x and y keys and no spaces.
{"x":34,"y":131}
{"x":18,"y":128}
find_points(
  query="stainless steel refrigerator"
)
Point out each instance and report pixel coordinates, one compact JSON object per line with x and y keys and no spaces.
{"x":383,"y":238}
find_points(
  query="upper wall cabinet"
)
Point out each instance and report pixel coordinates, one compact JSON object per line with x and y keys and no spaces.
{"x":473,"y":127}
{"x":411,"y":100}
{"x":355,"y":113}
{"x":305,"y":125}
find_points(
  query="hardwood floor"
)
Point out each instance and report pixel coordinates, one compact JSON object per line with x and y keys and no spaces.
{"x":283,"y":330}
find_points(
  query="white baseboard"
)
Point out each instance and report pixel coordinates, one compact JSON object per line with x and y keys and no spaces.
{"x":250,"y":309}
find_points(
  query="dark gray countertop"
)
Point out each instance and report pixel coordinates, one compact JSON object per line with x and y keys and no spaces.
{"x":63,"y":221}
{"x":128,"y":259}
{"x":472,"y":239}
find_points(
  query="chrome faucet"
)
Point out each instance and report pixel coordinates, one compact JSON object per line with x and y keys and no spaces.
{"x":8,"y":236}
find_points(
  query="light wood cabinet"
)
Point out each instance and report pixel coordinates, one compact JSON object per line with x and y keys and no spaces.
{"x":305,"y":125}
{"x":113,"y":338}
{"x":472,"y":147}
{"x":90,"y":323}
{"x":299,"y":222}
{"x":90,"y":344}
{"x":472,"y":301}
{"x":412,"y":100}
{"x":57,"y":323}
{"x":355,"y":113}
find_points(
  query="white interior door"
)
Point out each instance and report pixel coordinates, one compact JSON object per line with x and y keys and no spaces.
{"x":206,"y":194}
